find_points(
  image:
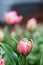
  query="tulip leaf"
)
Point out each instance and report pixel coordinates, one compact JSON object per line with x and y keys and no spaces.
{"x":12,"y":55}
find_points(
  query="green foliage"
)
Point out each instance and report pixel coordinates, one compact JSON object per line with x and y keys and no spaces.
{"x":8,"y":54}
{"x":11,"y":40}
{"x":8,"y":47}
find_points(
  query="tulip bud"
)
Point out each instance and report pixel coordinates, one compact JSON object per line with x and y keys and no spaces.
{"x":2,"y":62}
{"x":31,"y":24}
{"x":24,"y":46}
{"x":13,"y":34}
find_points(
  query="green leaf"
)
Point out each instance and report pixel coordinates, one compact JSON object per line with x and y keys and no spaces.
{"x":12,"y":55}
{"x":41,"y":61}
{"x":11,"y":41}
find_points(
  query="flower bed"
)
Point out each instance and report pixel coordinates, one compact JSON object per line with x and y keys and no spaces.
{"x":21,"y":46}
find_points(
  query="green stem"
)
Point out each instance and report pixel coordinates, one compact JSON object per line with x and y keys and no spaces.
{"x":9,"y":27}
{"x":31,"y":34}
{"x":24,"y":60}
{"x":0,"y":51}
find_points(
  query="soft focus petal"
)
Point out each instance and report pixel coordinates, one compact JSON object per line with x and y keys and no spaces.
{"x":2,"y":62}
{"x":32,"y":24}
{"x":12,"y":17}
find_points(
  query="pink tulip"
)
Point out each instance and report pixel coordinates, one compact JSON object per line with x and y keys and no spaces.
{"x":31,"y":24}
{"x":24,"y":47}
{"x":12,"y":17}
{"x":2,"y":62}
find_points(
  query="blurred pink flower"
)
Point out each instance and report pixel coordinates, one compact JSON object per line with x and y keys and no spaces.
{"x":24,"y":47}
{"x":12,"y":17}
{"x":2,"y":62}
{"x":32,"y":24}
